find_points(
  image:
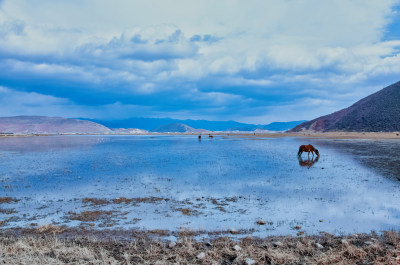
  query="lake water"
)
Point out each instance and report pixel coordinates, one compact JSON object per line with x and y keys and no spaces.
{"x":177,"y":182}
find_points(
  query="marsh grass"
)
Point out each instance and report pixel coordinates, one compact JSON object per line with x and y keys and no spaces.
{"x":8,"y":200}
{"x":90,"y":216}
{"x":45,"y":246}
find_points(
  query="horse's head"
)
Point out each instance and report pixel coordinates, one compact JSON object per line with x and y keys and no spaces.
{"x":316,"y":151}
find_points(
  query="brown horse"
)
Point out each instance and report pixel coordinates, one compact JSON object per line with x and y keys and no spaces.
{"x":199,"y":137}
{"x":210,"y":136}
{"x":308,"y":148}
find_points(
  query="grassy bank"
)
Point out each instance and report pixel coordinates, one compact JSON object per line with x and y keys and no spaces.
{"x":52,"y":245}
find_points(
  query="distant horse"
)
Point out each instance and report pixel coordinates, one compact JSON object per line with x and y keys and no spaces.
{"x":308,"y":148}
{"x":199,"y":137}
{"x":210,"y":136}
{"x":307,"y":163}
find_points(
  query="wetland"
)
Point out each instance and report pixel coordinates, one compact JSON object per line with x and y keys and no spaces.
{"x":234,"y":185}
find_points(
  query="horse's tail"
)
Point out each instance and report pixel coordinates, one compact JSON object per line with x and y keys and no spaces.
{"x":300,"y":151}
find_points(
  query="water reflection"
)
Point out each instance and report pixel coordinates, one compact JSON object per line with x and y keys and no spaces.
{"x":309,"y":162}
{"x":380,"y":155}
{"x":49,"y":143}
{"x":227,"y":182}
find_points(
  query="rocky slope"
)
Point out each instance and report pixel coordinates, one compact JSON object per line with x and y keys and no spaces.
{"x":379,"y":112}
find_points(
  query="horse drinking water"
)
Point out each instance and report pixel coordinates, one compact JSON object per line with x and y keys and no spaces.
{"x":308,"y":148}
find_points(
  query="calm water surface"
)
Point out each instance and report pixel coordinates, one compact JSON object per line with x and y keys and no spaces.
{"x":174,"y":182}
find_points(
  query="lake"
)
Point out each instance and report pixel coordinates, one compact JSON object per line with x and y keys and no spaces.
{"x":177,"y":182}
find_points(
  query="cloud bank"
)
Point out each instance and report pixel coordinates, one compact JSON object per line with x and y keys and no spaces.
{"x":255,"y":61}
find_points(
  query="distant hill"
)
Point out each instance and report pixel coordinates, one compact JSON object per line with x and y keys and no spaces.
{"x":379,"y":112}
{"x":178,"y":127}
{"x":50,"y":125}
{"x":55,"y":125}
{"x":275,"y":126}
{"x":152,"y":123}
{"x":128,"y":131}
{"x":281,"y":126}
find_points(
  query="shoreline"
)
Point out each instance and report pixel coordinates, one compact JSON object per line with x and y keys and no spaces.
{"x":165,"y":235}
{"x":54,"y":245}
{"x":311,"y":135}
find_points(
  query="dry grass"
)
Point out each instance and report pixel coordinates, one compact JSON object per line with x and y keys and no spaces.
{"x":139,"y":200}
{"x":48,"y":248}
{"x":102,"y":201}
{"x":95,"y":201}
{"x":91,"y":216}
{"x":6,"y":221}
{"x":7,"y":211}
{"x":8,"y":200}
{"x":188,"y":211}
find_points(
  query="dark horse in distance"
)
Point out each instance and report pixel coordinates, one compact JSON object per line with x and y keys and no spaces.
{"x":308,"y":148}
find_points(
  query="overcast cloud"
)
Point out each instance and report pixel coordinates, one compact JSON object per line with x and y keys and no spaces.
{"x":252,"y":61}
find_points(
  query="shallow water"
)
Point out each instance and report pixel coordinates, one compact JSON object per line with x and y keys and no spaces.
{"x":174,"y":182}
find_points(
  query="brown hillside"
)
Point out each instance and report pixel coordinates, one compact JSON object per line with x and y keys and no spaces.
{"x":379,"y":112}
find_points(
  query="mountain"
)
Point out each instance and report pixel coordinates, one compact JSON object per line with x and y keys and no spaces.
{"x":275,"y":126}
{"x":281,"y":126}
{"x":49,"y":125}
{"x":128,"y":131}
{"x":379,"y":112}
{"x":152,"y":123}
{"x":178,"y":127}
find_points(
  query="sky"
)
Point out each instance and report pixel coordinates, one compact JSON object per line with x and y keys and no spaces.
{"x":254,"y":61}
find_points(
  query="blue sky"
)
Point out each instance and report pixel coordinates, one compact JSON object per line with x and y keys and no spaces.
{"x":255,"y":61}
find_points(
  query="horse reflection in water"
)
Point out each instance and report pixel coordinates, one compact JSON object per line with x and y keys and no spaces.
{"x":309,"y":162}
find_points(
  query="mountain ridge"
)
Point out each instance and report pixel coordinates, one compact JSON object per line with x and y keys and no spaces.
{"x":25,"y":124}
{"x":178,"y":127}
{"x":378,"y":112}
{"x":150,"y":124}
{"x":49,"y":125}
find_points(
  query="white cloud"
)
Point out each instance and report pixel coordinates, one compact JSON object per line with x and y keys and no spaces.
{"x":13,"y":103}
{"x":149,"y":47}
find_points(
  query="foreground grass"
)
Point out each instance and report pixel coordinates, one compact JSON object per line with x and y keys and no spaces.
{"x":47,"y":246}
